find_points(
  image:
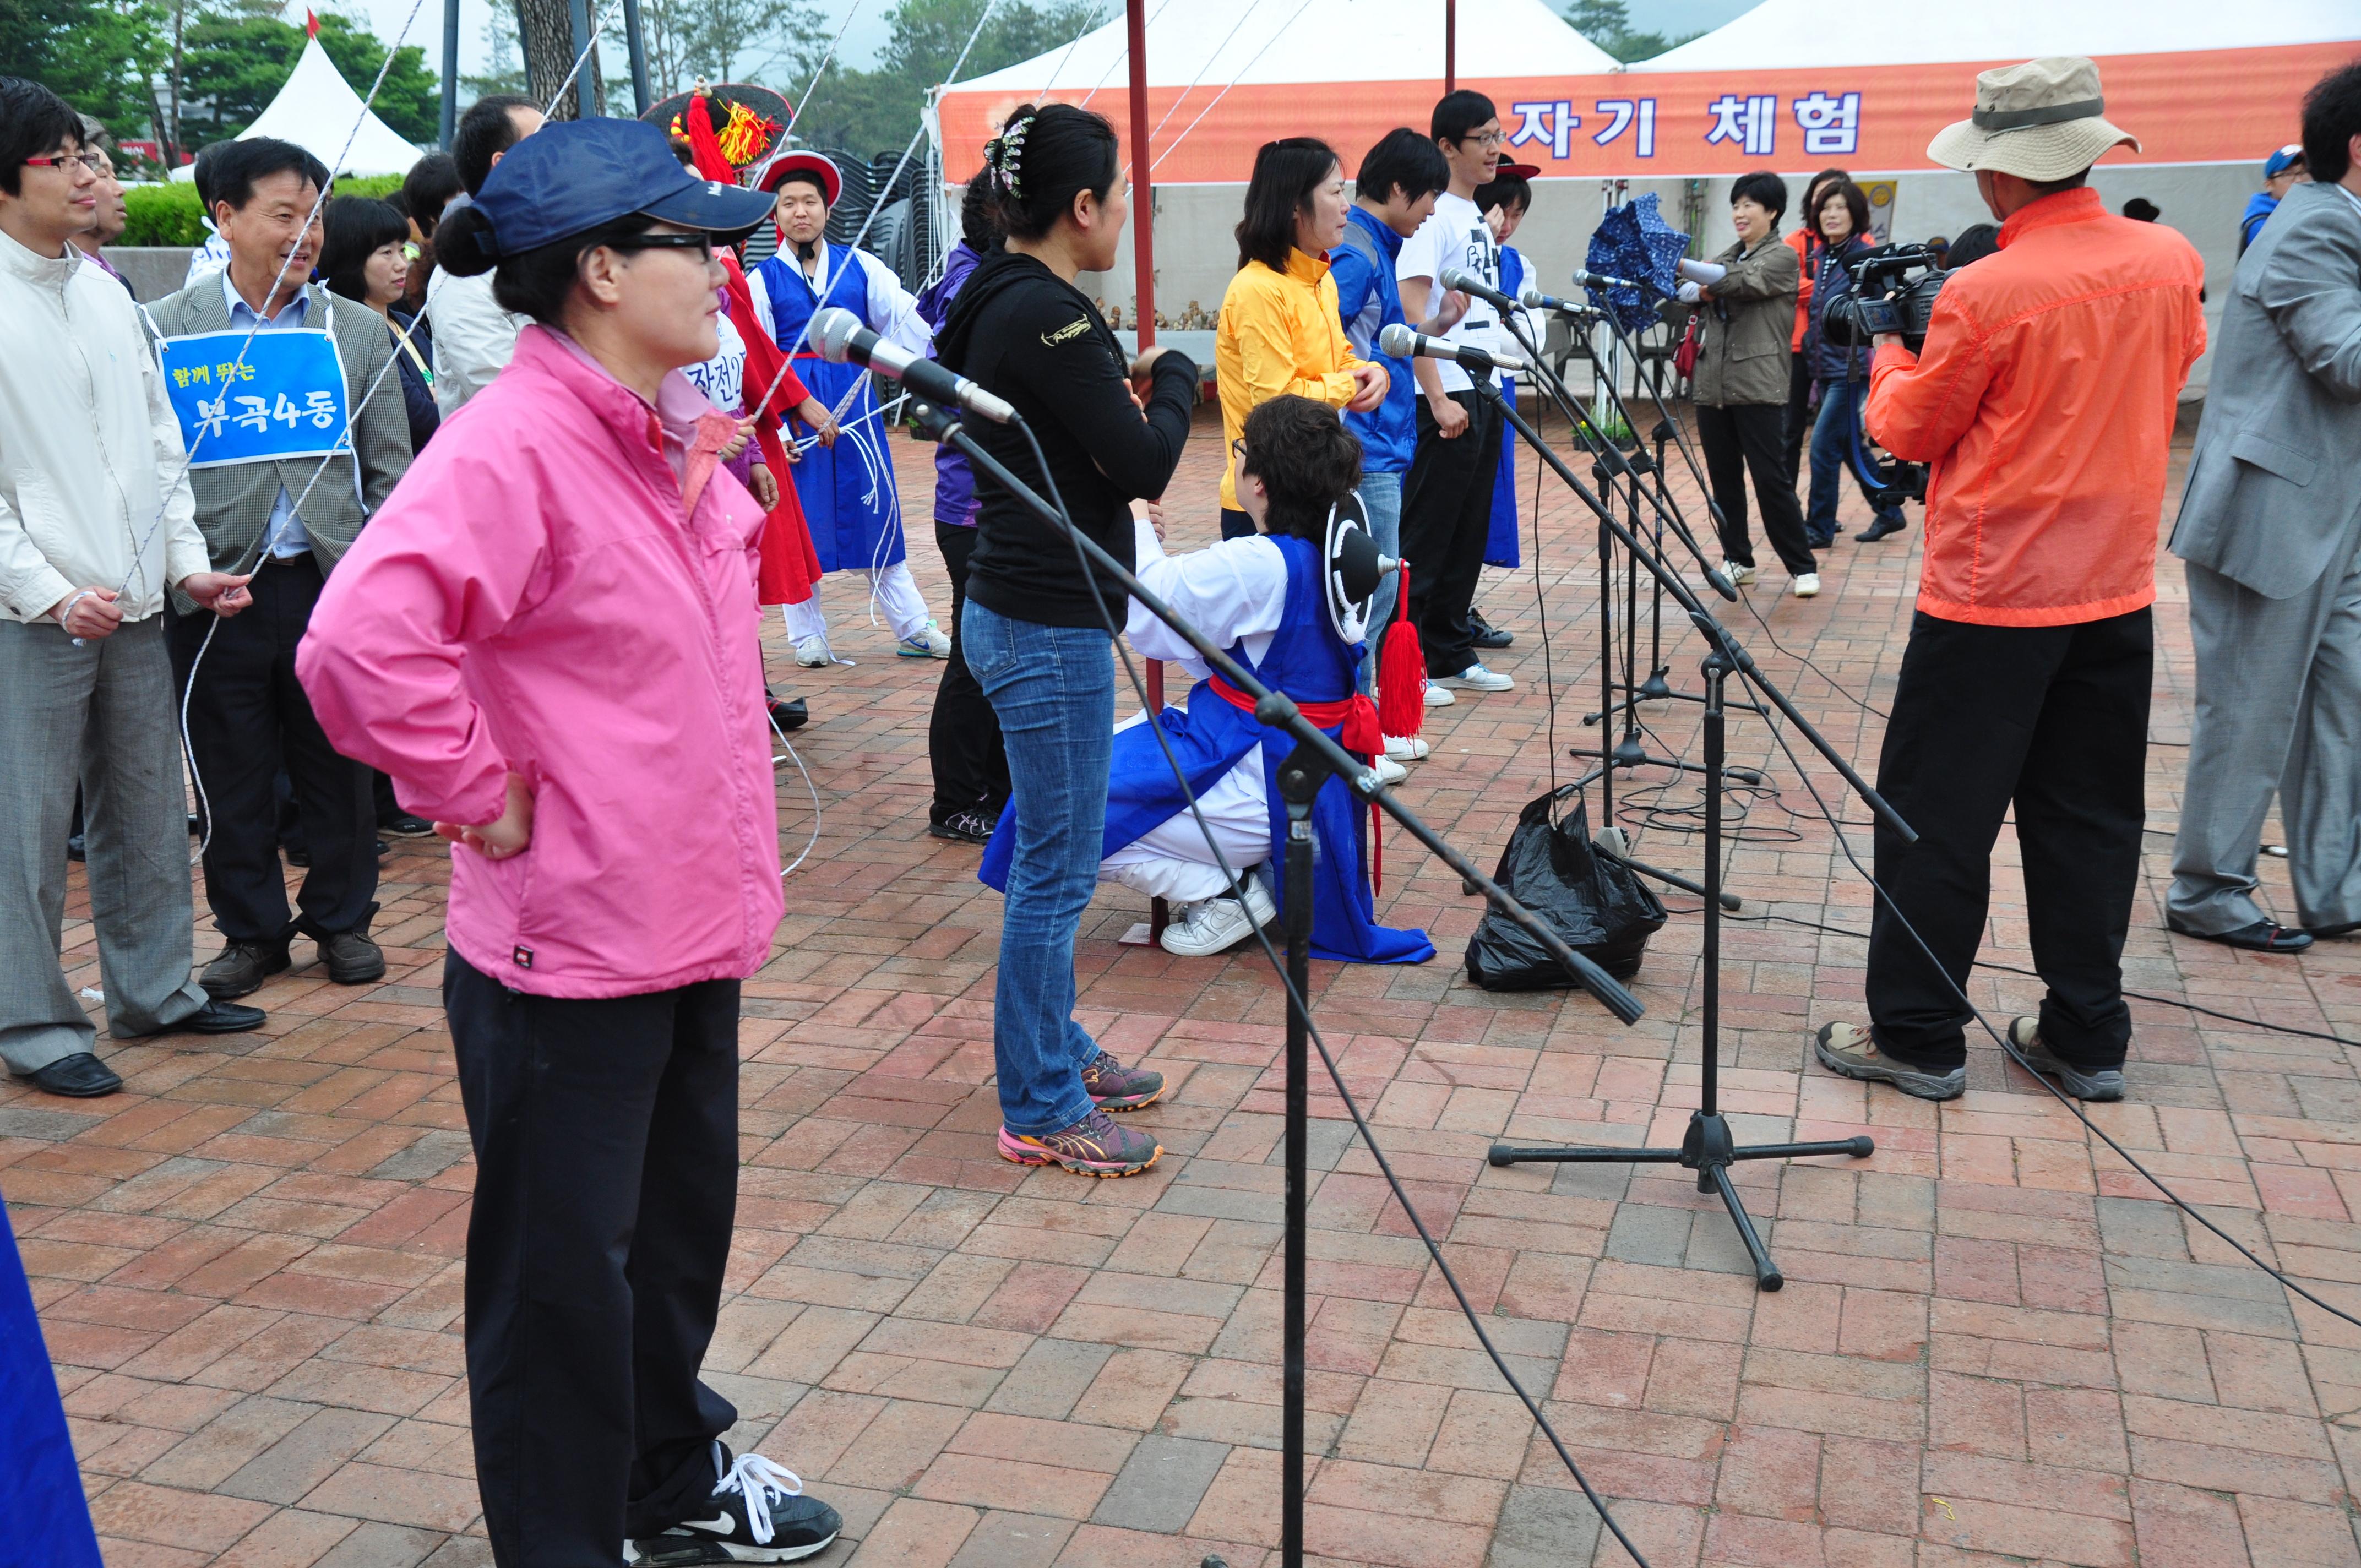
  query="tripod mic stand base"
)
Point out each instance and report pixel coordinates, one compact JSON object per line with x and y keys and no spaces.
{"x":1708,"y":1149}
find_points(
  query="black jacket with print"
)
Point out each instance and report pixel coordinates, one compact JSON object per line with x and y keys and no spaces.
{"x":1019,"y":330}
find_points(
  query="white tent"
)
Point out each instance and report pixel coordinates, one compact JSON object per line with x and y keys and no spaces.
{"x":317,"y":110}
{"x":1788,"y":34}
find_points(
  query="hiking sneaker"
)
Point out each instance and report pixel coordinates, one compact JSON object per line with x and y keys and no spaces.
{"x":1806,"y":585}
{"x":813,"y":653}
{"x":969,"y":827}
{"x":1476,"y":678}
{"x":1851,"y":1053}
{"x":1439,"y":696}
{"x":1114,"y":1087}
{"x":759,"y":1514}
{"x":2106,"y":1083}
{"x":1408,"y":748}
{"x":1094,"y":1145}
{"x":929,"y":641}
{"x":1740,"y":576}
{"x":1388,"y":770}
{"x":1214,"y":924}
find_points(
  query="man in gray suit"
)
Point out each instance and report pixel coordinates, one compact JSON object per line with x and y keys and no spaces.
{"x":288,"y":521}
{"x":2270,"y":529}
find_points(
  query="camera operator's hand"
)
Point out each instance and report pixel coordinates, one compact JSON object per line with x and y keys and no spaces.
{"x":1885,"y":340}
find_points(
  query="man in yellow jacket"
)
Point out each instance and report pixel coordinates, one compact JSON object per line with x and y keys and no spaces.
{"x":1280,"y":332}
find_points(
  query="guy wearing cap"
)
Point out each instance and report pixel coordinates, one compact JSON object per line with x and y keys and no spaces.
{"x":2282,"y":171}
{"x":847,"y":490}
{"x":2044,"y":400}
{"x":2270,"y":529}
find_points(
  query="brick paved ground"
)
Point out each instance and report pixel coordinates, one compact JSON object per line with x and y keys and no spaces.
{"x":1996,"y":1346}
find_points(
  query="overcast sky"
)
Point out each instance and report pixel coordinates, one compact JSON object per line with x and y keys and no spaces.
{"x":868,"y":30}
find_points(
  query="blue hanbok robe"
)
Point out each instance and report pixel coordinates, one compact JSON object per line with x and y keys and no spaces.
{"x":848,"y":492}
{"x":1500,"y":539}
{"x":40,"y":1487}
{"x":1309,"y":662}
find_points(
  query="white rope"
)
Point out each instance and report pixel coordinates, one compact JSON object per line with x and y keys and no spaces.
{"x":1173,"y":108}
{"x":796,"y":113}
{"x":1121,"y":55}
{"x":1233,"y":81}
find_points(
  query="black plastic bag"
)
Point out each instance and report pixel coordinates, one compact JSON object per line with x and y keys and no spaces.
{"x":1598,"y":906}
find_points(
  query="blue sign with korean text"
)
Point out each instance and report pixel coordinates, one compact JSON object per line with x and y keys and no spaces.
{"x":256,"y":399}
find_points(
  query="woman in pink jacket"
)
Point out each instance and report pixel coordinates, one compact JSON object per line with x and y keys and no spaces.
{"x":547,"y":638}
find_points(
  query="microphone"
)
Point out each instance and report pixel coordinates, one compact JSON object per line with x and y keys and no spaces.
{"x":1466,"y":282}
{"x":841,"y":337}
{"x":1533,"y":299}
{"x":1601,"y":281}
{"x":1403,"y":343}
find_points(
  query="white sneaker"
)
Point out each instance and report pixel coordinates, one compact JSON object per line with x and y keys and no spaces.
{"x":1806,"y":586}
{"x":1476,"y":678}
{"x":1388,"y":770}
{"x":1214,"y":925}
{"x":1438,"y":696}
{"x":1407,"y":748}
{"x":929,"y":641}
{"x":1738,"y":575}
{"x":812,"y":652}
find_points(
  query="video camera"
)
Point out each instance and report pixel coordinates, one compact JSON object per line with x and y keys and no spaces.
{"x":1886,"y":297}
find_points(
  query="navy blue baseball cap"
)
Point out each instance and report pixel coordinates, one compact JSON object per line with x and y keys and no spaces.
{"x":2279,"y":162}
{"x":572,"y":176}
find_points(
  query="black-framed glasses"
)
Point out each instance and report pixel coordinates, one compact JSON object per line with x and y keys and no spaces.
{"x":699,"y":241}
{"x":92,"y":160}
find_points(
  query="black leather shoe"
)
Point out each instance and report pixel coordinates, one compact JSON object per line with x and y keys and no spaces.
{"x":405,"y":825}
{"x":352,"y":957}
{"x":76,"y":849}
{"x":790,"y":713}
{"x":2323,"y":933}
{"x":298,"y":856}
{"x":242,"y":967}
{"x":81,"y":1076}
{"x":2262,"y":936}
{"x":216,"y":1017}
{"x":1881,"y":528}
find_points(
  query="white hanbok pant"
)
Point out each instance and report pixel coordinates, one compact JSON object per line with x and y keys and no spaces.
{"x":1171,"y":861}
{"x":892,"y":589}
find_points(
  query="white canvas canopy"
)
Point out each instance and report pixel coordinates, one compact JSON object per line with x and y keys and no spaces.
{"x":316,"y":111}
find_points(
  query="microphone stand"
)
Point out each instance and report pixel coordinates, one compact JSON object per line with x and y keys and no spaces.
{"x":1301,"y":777}
{"x":1708,"y":1148}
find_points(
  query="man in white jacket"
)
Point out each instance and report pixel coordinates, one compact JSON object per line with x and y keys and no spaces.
{"x":96,"y":520}
{"x":474,"y":337}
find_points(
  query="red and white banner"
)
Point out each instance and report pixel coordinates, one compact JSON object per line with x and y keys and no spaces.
{"x":2216,"y":106}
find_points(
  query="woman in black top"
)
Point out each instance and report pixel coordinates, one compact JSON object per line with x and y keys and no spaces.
{"x":1034,"y":634}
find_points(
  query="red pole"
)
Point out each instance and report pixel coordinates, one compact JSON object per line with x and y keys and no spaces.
{"x":1143,"y":201}
{"x":1450,"y":46}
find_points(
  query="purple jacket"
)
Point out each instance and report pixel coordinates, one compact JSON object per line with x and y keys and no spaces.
{"x":955,"y":501}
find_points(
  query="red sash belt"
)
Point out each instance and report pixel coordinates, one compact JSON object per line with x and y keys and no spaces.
{"x":1358,"y":717}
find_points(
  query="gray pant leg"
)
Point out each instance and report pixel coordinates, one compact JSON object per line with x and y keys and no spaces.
{"x":44,"y":697}
{"x":2253,"y":657}
{"x":2319,"y":793}
{"x":135,"y":815}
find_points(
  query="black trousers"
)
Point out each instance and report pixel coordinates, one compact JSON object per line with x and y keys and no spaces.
{"x":606,"y":1138}
{"x":1797,"y":428}
{"x":963,"y":744}
{"x":2052,"y":719}
{"x":1743,"y":439}
{"x":248,"y":716}
{"x":1446,"y":513}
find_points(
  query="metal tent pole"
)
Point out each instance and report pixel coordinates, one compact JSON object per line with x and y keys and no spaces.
{"x":1143,"y":285}
{"x":448,"y":127}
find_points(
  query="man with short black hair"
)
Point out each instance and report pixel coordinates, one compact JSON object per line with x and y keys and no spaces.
{"x":96,"y":521}
{"x":1393,"y":195}
{"x":2271,"y":529}
{"x":2282,"y":172}
{"x":110,"y":217}
{"x":1447,"y":497}
{"x":288,"y":520}
{"x":2043,"y":398}
{"x":474,"y":338}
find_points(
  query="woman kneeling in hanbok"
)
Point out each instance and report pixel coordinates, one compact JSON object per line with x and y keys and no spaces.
{"x":1263,"y":594}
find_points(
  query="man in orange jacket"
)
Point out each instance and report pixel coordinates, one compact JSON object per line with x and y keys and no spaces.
{"x":2044,"y":401}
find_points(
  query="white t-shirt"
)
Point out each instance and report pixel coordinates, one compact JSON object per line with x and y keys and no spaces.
{"x":722,"y":378}
{"x":1457,"y":235}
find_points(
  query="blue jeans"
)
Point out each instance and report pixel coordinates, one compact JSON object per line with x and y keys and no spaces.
{"x":1833,"y":434}
{"x":1382,"y":498}
{"x":1053,"y":687}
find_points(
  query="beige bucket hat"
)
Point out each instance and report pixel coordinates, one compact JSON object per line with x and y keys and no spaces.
{"x":2042,"y":120}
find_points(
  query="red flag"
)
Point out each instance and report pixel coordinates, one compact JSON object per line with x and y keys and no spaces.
{"x":310,"y":26}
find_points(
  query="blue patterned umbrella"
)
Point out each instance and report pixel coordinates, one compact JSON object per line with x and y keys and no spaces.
{"x":1633,"y":241}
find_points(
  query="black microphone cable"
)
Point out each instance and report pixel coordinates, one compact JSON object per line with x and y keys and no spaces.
{"x":1311,"y":1026}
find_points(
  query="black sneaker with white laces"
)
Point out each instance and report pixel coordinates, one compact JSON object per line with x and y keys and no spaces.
{"x":758,"y":1513}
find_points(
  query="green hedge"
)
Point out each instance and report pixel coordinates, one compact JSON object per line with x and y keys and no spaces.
{"x":169,"y":213}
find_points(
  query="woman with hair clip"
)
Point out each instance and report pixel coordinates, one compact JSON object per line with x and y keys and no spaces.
{"x":1804,"y":239}
{"x":1265,"y":597}
{"x":548,"y":638}
{"x":1280,"y":333}
{"x":1839,"y":376}
{"x":1037,"y":622}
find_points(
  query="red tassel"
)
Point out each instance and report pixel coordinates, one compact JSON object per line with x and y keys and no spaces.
{"x":1402,"y":672}
{"x":704,"y":143}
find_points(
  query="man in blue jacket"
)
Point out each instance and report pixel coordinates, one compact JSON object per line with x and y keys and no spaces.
{"x":1394,"y":192}
{"x":2281,"y":172}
